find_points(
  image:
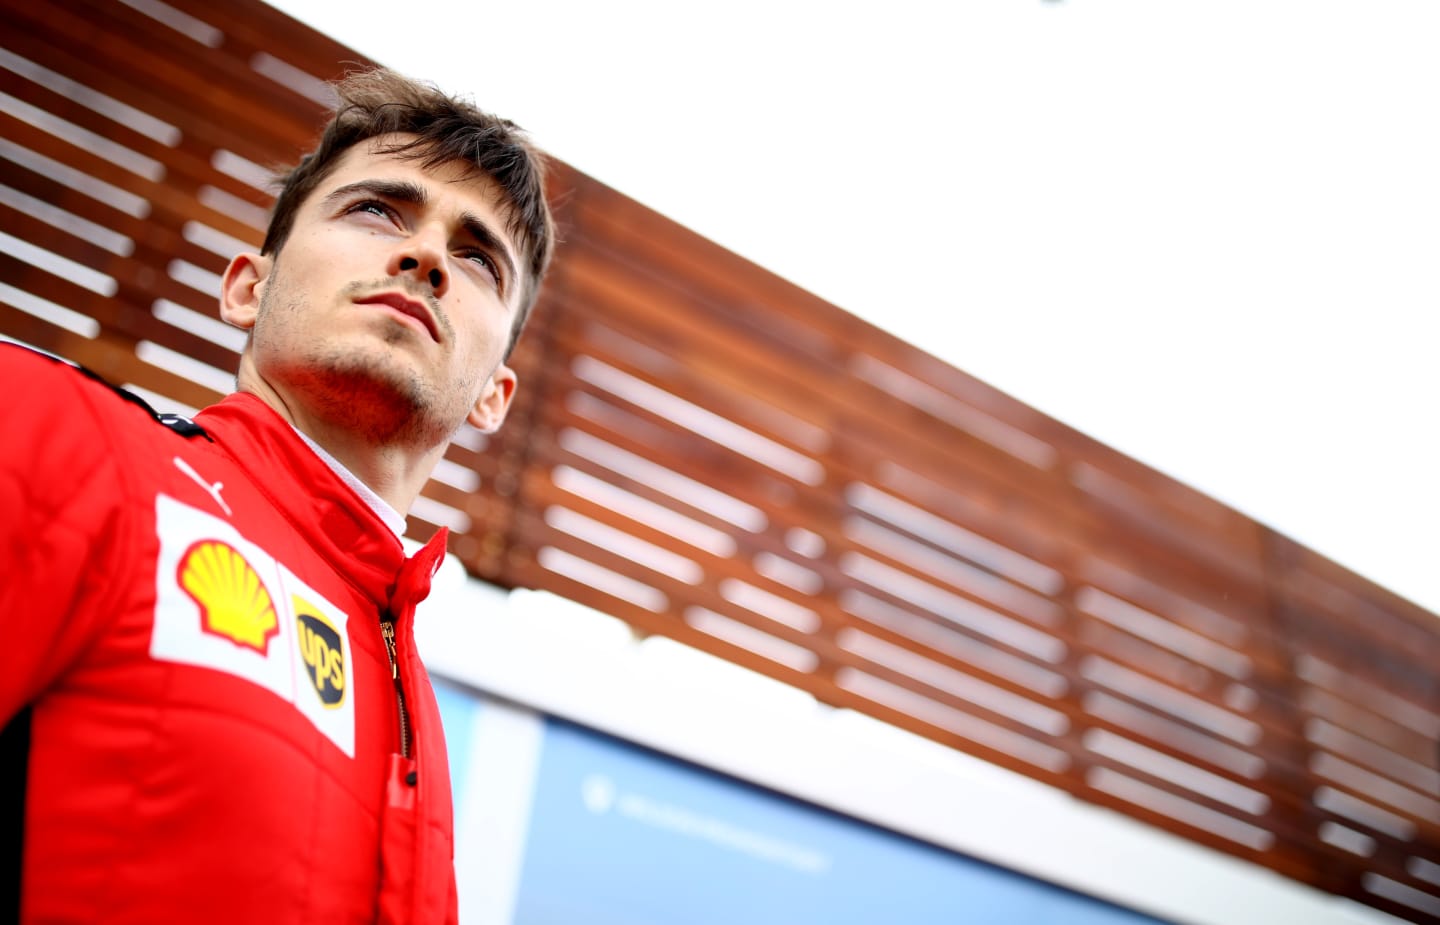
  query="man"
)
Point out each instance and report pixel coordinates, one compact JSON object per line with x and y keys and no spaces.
{"x":210,"y":675}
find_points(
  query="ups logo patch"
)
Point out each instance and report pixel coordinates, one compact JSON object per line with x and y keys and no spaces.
{"x":322,"y":653}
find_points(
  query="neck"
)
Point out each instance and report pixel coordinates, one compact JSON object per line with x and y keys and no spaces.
{"x":395,"y":473}
{"x":395,"y":470}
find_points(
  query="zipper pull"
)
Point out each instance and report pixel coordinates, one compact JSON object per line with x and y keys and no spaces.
{"x":387,"y":629}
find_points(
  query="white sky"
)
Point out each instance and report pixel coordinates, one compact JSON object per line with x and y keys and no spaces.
{"x":1204,"y":233}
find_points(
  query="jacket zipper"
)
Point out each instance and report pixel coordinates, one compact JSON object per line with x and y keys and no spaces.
{"x":387,"y":629}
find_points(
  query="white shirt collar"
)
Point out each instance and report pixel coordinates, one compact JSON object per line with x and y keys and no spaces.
{"x":392,"y":518}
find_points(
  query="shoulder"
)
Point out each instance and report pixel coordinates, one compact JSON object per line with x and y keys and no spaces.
{"x":55,"y":396}
{"x":80,"y":457}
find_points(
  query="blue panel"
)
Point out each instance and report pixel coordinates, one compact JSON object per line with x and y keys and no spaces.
{"x":623,"y":836}
{"x":458,"y":708}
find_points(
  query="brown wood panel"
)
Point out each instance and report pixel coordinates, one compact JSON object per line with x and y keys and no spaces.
{"x":168,"y":207}
{"x":210,"y":84}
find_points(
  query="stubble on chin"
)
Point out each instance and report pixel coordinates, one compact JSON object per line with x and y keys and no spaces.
{"x":375,"y":398}
{"x":364,"y":388}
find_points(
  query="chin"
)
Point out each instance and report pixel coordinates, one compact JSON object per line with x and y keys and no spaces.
{"x":379,"y":397}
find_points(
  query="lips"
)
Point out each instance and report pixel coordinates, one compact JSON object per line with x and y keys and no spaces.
{"x":406,"y":306}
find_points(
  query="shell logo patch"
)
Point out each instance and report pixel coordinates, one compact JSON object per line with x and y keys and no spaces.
{"x":322,"y":653}
{"x":234,"y":602}
{"x":224,"y":603}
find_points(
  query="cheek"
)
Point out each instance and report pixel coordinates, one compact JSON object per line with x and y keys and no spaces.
{"x":475,"y":327}
{"x":277,"y":322}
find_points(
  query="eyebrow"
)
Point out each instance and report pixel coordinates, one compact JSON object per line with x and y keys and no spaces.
{"x":407,"y":191}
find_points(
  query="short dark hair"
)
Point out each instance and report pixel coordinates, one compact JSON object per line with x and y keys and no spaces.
{"x":446,"y":129}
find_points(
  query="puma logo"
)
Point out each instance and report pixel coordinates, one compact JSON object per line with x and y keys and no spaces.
{"x":213,"y":490}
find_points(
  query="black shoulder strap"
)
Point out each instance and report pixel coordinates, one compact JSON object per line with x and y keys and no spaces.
{"x":182,"y":426}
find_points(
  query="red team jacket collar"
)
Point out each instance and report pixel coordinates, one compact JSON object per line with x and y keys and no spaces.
{"x":342,"y":528}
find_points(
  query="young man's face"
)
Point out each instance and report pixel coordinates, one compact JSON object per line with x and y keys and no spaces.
{"x":388,"y":308}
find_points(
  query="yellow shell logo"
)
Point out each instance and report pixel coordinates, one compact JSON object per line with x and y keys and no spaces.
{"x":233,"y":601}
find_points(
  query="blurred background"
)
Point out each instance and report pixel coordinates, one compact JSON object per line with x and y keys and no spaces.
{"x":968,"y":466}
{"x":1202,"y":235}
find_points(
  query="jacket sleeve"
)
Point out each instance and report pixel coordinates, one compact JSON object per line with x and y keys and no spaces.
{"x":63,"y":520}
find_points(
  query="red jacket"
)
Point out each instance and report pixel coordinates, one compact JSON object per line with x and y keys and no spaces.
{"x":195,"y":625}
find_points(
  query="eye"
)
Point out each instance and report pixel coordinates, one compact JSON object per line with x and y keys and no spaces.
{"x":484,"y":263}
{"x":372,"y":207}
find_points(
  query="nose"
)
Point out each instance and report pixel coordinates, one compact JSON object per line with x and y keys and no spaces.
{"x":422,"y":258}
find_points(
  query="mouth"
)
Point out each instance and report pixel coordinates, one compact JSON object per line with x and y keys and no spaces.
{"x":407,"y":307}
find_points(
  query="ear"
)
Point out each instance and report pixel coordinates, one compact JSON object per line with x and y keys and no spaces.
{"x":241,"y":288}
{"x":489,"y":411}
